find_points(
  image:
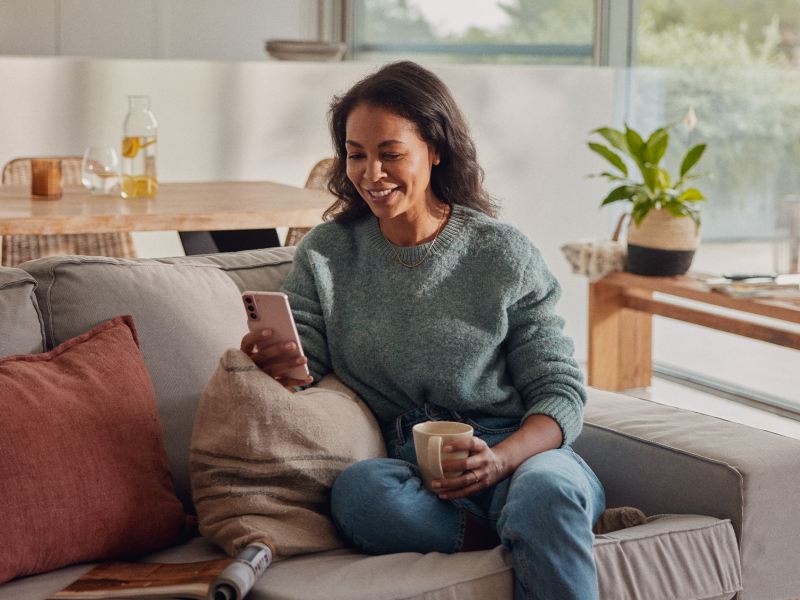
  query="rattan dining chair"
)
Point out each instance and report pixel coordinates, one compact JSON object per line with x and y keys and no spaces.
{"x":17,"y":249}
{"x":317,"y":180}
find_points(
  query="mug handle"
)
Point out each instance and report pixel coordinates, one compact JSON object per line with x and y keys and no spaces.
{"x":435,"y":456}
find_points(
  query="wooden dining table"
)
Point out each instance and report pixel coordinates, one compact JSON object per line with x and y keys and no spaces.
{"x":197,"y":206}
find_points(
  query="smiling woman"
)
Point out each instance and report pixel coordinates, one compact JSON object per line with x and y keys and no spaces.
{"x":412,"y":106}
{"x":416,"y":298}
{"x":390,"y":166}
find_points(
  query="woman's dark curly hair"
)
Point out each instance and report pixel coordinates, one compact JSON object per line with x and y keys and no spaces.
{"x":414,"y":93}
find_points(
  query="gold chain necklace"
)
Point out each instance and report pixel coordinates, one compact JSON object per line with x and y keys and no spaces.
{"x":439,"y":230}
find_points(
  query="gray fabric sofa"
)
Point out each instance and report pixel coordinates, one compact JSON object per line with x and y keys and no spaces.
{"x":722,"y":497}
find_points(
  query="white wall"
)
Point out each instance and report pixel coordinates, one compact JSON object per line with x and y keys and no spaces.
{"x":267,"y":120}
{"x":28,"y":27}
{"x":193,"y":29}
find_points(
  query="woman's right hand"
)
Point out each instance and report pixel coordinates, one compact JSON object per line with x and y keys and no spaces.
{"x":275,"y":359}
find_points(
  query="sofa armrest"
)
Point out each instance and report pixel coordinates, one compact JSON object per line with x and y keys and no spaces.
{"x":669,"y":460}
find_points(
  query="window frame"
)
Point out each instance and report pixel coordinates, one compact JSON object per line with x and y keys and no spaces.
{"x":613,"y":44}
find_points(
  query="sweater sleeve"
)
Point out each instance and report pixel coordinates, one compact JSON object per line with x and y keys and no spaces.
{"x":301,"y":288}
{"x":540,"y":357}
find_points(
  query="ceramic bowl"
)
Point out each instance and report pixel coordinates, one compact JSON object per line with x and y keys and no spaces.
{"x":309,"y":50}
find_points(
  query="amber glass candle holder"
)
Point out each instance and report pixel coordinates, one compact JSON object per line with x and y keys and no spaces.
{"x":46,"y":178}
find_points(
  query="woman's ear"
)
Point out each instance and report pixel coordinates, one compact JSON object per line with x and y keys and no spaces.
{"x":435,"y":155}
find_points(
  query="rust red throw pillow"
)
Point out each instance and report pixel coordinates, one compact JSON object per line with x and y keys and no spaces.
{"x":83,"y":474}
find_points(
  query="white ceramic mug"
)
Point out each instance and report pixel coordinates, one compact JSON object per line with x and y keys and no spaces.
{"x":429,"y":437}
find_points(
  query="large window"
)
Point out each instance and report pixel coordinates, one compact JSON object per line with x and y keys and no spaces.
{"x":736,"y":64}
{"x":491,"y":31}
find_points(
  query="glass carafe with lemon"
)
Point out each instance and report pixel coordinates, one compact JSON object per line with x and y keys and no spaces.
{"x":139,"y":150}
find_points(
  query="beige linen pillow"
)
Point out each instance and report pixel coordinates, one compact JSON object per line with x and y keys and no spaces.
{"x":263,"y":460}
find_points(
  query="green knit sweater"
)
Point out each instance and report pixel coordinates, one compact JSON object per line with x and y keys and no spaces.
{"x":472,"y":329}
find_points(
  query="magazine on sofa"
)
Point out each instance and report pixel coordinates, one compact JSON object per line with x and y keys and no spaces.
{"x":220,"y":579}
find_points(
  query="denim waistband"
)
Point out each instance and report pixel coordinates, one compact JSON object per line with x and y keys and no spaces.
{"x":397,"y":432}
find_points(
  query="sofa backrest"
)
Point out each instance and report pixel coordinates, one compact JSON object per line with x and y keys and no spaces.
{"x":21,"y":329}
{"x":187,"y":312}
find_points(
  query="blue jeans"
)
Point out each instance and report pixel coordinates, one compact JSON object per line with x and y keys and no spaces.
{"x":543,"y":514}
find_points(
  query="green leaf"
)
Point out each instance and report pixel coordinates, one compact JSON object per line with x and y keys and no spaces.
{"x":663,"y":178}
{"x":650,"y":175}
{"x":622,"y":192}
{"x":635,"y":144}
{"x":614,"y":137}
{"x":609,"y":176}
{"x":691,"y":195}
{"x":640,"y":210}
{"x":656,"y":146}
{"x":691,"y":158}
{"x":610,"y":156}
{"x":675,"y":208}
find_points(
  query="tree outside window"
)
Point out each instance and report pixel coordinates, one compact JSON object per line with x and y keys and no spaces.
{"x":737,"y":65}
{"x":510,"y":31}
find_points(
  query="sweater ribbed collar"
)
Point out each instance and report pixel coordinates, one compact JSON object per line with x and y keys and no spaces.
{"x":414,"y":254}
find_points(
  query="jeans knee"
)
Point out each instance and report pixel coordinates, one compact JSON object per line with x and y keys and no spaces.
{"x":546,"y":498}
{"x":381,"y":506}
{"x":363,"y":489}
{"x":352,"y":478}
{"x":548,"y":489}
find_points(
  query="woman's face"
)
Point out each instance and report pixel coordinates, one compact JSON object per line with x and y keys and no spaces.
{"x":388,"y":162}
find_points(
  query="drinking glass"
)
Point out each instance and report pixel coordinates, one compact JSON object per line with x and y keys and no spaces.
{"x":100,"y":170}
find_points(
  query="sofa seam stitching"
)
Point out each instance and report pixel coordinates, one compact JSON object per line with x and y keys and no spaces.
{"x":668,"y":447}
{"x":8,"y":284}
{"x":258,"y":266}
{"x":50,"y":343}
{"x":651,"y":536}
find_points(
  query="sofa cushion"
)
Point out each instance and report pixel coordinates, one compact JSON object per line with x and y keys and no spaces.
{"x":264,"y":459}
{"x":20,"y":324}
{"x":186,"y":315}
{"x":81,"y":455}
{"x":259,"y":270}
{"x":664,"y":459}
{"x":188,"y":311}
{"x":671,"y":542}
{"x":672,"y":556}
{"x":478,"y":575}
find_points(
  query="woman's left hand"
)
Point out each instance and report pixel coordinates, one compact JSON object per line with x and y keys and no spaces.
{"x":482,"y":469}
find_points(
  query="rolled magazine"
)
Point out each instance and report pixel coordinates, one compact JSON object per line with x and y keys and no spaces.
{"x":240,"y":576}
{"x":219,"y":579}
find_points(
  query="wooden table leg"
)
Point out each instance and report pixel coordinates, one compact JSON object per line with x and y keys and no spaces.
{"x":620,"y":340}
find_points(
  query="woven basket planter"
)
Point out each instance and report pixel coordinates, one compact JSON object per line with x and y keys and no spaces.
{"x":662,"y":244}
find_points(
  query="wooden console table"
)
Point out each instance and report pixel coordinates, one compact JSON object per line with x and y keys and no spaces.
{"x":621,"y":309}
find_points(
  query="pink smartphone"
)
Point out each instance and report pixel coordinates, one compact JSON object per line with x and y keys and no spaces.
{"x":270,"y":310}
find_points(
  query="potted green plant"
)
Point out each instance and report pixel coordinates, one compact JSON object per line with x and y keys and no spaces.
{"x":664,"y":226}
